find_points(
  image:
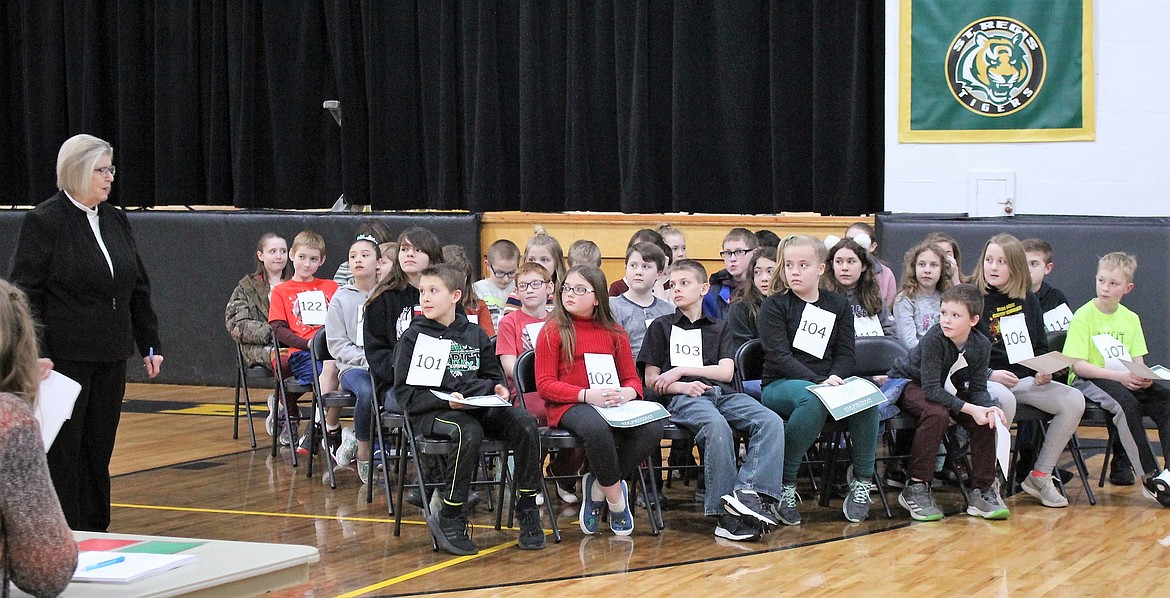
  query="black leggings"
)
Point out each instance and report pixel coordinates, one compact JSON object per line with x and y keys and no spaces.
{"x":613,"y":453}
{"x":466,"y":429}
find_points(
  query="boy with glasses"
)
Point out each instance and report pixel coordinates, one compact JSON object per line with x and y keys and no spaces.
{"x":503,"y":258}
{"x":738,"y":248}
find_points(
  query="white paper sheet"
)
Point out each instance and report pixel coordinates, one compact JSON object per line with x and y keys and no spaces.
{"x":55,"y":399}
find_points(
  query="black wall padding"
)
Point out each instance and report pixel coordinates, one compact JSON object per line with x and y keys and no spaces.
{"x":195,"y":260}
{"x":1077,"y":242}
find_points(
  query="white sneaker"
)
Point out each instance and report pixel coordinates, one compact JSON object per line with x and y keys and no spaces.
{"x":1043,"y":489}
{"x":345,"y":453}
{"x":270,"y":421}
{"x":1162,"y":480}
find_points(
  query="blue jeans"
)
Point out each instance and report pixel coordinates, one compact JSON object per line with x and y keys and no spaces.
{"x":302,"y":367}
{"x":712,"y":417}
{"x":359,"y":382}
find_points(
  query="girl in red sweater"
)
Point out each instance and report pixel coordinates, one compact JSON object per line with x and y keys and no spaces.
{"x":583,"y":360}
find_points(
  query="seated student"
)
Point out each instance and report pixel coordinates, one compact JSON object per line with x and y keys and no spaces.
{"x":476,"y":309}
{"x":502,"y":260}
{"x":637,"y":307}
{"x":1104,"y":327}
{"x":925,"y":275}
{"x":572,"y":348}
{"x":344,"y":330}
{"x":644,"y":235}
{"x":246,"y":315}
{"x":1039,"y":253}
{"x":1010,"y":310}
{"x":865,"y":236}
{"x":951,"y":253}
{"x":472,"y":370}
{"x":296,"y":313}
{"x":739,"y":245}
{"x":794,"y":358}
{"x":368,"y":227}
{"x":675,"y":240}
{"x":745,"y":306}
{"x":545,"y":250}
{"x":37,"y":548}
{"x":851,"y":275}
{"x":584,"y":252}
{"x":697,"y":382}
{"x":948,"y":378}
{"x":768,"y":238}
{"x":517,"y":334}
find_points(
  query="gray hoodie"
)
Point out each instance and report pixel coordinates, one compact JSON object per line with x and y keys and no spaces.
{"x":344,"y":326}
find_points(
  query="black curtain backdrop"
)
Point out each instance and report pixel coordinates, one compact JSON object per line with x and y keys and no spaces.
{"x":634,"y":106}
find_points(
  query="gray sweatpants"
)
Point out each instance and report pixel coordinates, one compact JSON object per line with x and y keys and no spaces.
{"x":1065,"y":403}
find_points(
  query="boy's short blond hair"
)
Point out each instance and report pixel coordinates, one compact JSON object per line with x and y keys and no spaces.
{"x":1119,"y":260}
{"x":1034,"y":245}
{"x":308,"y":240}
{"x":533,"y":268}
{"x":584,"y":252}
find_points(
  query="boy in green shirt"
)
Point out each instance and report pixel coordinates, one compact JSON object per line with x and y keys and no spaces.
{"x":1102,"y":334}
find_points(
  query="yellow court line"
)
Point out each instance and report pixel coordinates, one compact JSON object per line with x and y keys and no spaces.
{"x":425,"y":571}
{"x":288,"y":515}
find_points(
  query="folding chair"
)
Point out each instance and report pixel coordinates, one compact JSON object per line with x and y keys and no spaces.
{"x":394,"y":422}
{"x":560,"y":439}
{"x":338,"y":399}
{"x":286,"y":387}
{"x":749,"y":363}
{"x":874,"y":356}
{"x":257,"y":375}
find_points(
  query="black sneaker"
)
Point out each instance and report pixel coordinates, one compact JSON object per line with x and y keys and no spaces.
{"x":332,"y":440}
{"x":452,"y":534}
{"x":531,"y":531}
{"x":895,"y":478}
{"x":736,"y":528}
{"x":747,"y":503}
{"x":1121,"y":470}
{"x":303,"y":445}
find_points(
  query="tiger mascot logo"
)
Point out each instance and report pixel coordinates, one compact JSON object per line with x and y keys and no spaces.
{"x":995,"y":66}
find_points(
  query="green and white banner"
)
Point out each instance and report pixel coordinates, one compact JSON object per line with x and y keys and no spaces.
{"x":995,"y":70}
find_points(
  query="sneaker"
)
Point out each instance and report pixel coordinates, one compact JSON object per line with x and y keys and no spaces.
{"x":531,"y":532}
{"x":916,"y":498}
{"x":332,"y":440}
{"x":746,"y":503}
{"x":785,"y":508}
{"x":568,"y":492}
{"x":986,"y":504}
{"x":345,"y":453}
{"x":286,"y":435}
{"x":304,"y":446}
{"x":1042,"y":489}
{"x":640,"y":499}
{"x":590,"y":509}
{"x":1161,"y":487}
{"x":452,"y":534}
{"x":415,"y":499}
{"x":622,"y":523}
{"x":363,"y":468}
{"x":856,"y":505}
{"x":270,"y":420}
{"x":1120,"y":470}
{"x":736,"y":528}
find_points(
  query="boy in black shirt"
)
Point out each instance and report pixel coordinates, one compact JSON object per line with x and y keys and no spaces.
{"x":948,"y":378}
{"x":472,"y":369}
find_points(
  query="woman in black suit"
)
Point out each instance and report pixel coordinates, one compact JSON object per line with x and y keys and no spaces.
{"x":76,"y":260}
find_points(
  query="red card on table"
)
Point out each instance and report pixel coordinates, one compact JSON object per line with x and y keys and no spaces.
{"x":103,"y":544}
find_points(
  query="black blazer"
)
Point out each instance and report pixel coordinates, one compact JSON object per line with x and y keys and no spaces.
{"x":86,"y":314}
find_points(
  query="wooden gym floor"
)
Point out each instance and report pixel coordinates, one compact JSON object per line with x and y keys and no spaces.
{"x":178,"y":472}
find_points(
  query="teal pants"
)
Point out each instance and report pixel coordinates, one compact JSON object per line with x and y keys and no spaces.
{"x":804,"y":417}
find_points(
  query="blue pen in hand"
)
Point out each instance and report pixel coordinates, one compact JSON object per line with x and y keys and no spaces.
{"x":113,"y":561}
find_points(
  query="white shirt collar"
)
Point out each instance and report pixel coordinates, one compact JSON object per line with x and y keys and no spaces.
{"x":84,"y":208}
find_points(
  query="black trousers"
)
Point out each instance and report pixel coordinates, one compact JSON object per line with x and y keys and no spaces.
{"x":613,"y":453}
{"x":79,"y":460}
{"x":466,"y":427}
{"x":1132,"y":405}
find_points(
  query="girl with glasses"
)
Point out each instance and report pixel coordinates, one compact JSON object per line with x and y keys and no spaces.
{"x":583,"y":360}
